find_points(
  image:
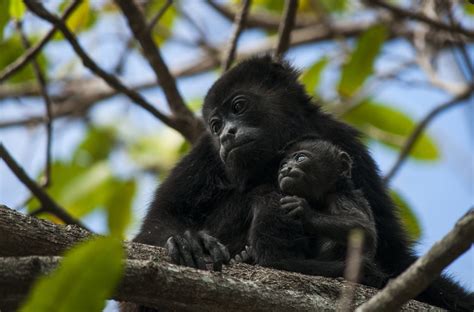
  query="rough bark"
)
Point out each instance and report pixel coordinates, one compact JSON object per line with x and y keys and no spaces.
{"x":30,"y":247}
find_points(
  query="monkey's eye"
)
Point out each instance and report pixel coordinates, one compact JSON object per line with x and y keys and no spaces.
{"x":239,"y":103}
{"x":215,"y":126}
{"x":300,"y":157}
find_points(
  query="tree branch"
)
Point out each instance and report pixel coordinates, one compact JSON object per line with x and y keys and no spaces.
{"x":239,"y":24}
{"x":47,"y":202}
{"x":151,"y":281}
{"x":48,"y":108}
{"x":410,"y":142}
{"x":191,"y":127}
{"x":422,"y":18}
{"x":259,"y":19}
{"x":421,"y":273}
{"x":286,"y":25}
{"x":34,"y":50}
{"x":37,"y":8}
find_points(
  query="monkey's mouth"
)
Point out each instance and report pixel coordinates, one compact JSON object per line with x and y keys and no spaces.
{"x":225,"y":152}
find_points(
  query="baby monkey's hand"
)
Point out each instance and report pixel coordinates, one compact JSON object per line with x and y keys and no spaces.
{"x":295,"y":207}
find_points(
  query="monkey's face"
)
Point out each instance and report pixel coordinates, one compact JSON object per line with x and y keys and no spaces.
{"x":295,"y":175}
{"x":311,"y":169}
{"x":252,"y":112}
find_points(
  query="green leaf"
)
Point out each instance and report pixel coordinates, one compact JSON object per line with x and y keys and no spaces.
{"x":361,"y":61}
{"x":162,"y":29}
{"x":17,"y":9}
{"x":4,"y":16}
{"x":83,"y":17}
{"x":119,"y":207}
{"x":11,"y":49}
{"x":409,"y":219}
{"x":468,"y":7}
{"x":96,"y":146}
{"x":336,"y":6}
{"x":394,"y":123}
{"x":157,"y":152}
{"x":86,"y":277}
{"x":311,"y":76}
{"x":79,"y":189}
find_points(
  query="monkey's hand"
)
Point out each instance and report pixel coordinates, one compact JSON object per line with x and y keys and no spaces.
{"x":245,"y":256}
{"x":296,"y":208}
{"x":193,"y":249}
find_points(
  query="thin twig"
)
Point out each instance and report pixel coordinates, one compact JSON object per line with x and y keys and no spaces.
{"x":48,"y":107}
{"x":462,"y":46}
{"x":34,"y":50}
{"x":123,"y":56}
{"x":159,"y":14}
{"x":37,"y":8}
{"x":265,"y":20}
{"x":421,"y":273}
{"x":190,"y":126}
{"x":352,"y":272}
{"x":422,"y":18}
{"x":239,"y":24}
{"x":46,"y":201}
{"x":410,"y":142}
{"x":286,"y":26}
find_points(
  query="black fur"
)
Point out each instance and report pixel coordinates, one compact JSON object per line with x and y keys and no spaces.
{"x":203,"y":193}
{"x":306,"y":229}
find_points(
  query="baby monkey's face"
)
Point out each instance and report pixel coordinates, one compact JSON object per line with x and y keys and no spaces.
{"x":294,"y":176}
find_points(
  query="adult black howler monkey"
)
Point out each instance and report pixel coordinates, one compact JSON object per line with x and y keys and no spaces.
{"x":252,"y":112}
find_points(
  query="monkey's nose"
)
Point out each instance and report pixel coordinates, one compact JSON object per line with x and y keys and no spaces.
{"x":285,"y":170}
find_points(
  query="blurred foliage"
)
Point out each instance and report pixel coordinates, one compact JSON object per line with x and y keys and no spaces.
{"x":11,"y":49}
{"x":407,"y":216}
{"x":312,"y":75}
{"x":394,"y":126}
{"x":83,"y":18}
{"x":162,"y":29}
{"x":87,"y":182}
{"x":361,"y":61}
{"x":86,"y":277}
{"x":17,"y":9}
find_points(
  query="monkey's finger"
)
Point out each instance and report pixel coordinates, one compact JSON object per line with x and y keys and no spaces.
{"x":173,"y":250}
{"x":185,"y":251}
{"x":290,"y":206}
{"x":211,"y":242}
{"x":238,"y":258}
{"x":196,"y":250}
{"x":218,"y":252}
{"x":296,"y":212}
{"x":288,"y":199}
{"x":245,"y":257}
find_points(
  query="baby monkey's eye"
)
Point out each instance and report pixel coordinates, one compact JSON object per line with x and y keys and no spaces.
{"x":300,"y":157}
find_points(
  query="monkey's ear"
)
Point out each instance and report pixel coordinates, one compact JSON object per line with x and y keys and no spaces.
{"x":346,"y":164}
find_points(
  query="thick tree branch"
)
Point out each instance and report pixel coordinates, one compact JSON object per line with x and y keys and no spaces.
{"x":419,"y":275}
{"x":114,"y":82}
{"x":34,"y":50}
{"x":191,"y":127}
{"x":239,"y":24}
{"x":46,"y":201}
{"x":415,"y":135}
{"x":286,"y":26}
{"x":150,"y":280}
